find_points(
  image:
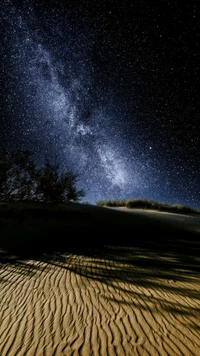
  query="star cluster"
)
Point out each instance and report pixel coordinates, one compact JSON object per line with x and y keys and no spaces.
{"x":110,"y":91}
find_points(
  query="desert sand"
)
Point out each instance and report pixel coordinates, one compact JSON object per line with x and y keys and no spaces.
{"x":113,"y":300}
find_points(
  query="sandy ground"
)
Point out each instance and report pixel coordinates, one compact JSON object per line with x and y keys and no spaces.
{"x":190,"y":222}
{"x":116,"y":302}
{"x":111,"y":301}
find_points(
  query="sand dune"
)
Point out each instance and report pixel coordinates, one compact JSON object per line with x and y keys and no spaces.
{"x":117,"y":301}
{"x":189,"y":222}
{"x":108,"y":284}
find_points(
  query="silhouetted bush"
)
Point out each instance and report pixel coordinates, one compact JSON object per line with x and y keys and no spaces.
{"x":20,"y":179}
{"x":55,"y":186}
{"x":147,"y":204}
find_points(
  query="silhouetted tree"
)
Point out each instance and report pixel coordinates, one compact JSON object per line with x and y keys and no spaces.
{"x":52,"y":185}
{"x":21,"y":180}
{"x":4,"y":167}
{"x":17,"y":175}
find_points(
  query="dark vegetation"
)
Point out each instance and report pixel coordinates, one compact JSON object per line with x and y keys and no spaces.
{"x":21,"y":179}
{"x":148,"y":204}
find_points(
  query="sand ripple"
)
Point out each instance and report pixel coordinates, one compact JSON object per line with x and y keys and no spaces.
{"x":117,"y":302}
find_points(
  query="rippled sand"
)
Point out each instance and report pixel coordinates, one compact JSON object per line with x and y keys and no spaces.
{"x":119,"y":301}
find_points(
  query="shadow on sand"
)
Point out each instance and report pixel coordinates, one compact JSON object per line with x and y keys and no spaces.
{"x":116,"y":249}
{"x":47,"y":232}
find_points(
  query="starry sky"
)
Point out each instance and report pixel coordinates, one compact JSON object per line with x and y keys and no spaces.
{"x":110,"y":89}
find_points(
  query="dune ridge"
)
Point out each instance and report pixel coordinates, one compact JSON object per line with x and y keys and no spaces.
{"x":117,"y":301}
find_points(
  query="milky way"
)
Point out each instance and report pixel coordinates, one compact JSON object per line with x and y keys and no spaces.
{"x":59,"y":102}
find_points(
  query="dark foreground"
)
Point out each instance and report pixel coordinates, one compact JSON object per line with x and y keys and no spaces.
{"x":31,"y":229}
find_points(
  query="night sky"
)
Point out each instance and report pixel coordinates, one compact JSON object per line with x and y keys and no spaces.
{"x":109,"y":89}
